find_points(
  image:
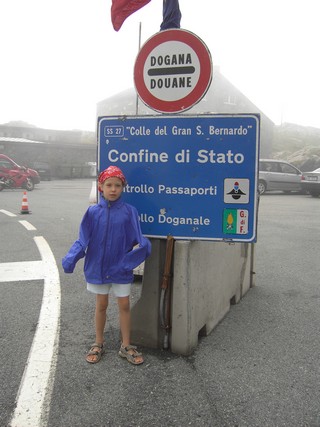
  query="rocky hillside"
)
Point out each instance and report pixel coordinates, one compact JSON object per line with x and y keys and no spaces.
{"x":299,"y":145}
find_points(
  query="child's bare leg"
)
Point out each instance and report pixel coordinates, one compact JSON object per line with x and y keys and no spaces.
{"x":125,"y":319}
{"x":101,"y":316}
{"x":100,"y":321}
{"x":125,"y":324}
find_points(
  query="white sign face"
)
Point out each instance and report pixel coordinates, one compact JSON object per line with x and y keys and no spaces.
{"x":173,"y":71}
{"x":171,"y":76}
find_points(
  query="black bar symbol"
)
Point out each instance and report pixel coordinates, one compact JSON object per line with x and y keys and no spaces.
{"x":170,"y":70}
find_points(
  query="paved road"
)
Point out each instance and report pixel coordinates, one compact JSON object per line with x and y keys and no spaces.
{"x":259,"y":367}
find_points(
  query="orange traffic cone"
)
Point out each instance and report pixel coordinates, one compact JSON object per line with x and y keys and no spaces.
{"x":24,"y":206}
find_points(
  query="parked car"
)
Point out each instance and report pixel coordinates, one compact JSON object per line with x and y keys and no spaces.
{"x":43,"y":169}
{"x":311,"y":182}
{"x":8,"y":165}
{"x":278,"y":175}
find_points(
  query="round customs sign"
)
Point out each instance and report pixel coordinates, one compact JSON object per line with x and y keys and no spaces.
{"x":173,"y":71}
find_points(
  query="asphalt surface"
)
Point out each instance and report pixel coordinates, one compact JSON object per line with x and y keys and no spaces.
{"x":259,"y":367}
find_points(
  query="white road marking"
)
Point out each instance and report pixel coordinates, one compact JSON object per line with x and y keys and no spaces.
{"x":34,"y":395}
{"x":26,"y":270}
{"x":7,"y":212}
{"x":27,"y":225}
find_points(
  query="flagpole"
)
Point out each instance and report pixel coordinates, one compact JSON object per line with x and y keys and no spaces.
{"x":139,"y":45}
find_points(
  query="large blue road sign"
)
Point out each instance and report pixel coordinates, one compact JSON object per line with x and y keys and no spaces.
{"x":192,"y":177}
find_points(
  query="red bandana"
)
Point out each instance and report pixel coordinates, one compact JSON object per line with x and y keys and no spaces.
{"x":112,"y":172}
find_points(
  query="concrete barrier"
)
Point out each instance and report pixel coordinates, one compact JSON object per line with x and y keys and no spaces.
{"x":207,"y":278}
{"x":145,"y":316}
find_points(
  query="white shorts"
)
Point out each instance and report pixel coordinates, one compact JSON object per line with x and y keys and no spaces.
{"x":119,"y":289}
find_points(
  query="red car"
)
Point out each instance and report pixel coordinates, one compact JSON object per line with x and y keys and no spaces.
{"x":15,"y":176}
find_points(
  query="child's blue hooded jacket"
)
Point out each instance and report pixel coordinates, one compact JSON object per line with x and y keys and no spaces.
{"x":108,"y":233}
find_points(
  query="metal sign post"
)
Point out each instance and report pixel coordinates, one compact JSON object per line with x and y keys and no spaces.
{"x":192,"y":177}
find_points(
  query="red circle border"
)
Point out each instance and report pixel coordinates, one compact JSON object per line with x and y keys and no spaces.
{"x":201,"y":87}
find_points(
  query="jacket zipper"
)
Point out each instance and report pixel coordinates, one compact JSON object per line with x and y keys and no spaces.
{"x":105,"y":268}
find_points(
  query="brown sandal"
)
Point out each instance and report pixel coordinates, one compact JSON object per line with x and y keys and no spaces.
{"x":131,"y":356}
{"x":96,"y":350}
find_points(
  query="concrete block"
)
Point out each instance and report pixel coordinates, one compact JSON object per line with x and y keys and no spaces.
{"x":207,"y":278}
{"x":145,"y":320}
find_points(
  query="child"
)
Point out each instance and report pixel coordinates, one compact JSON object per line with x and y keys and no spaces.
{"x":108,"y":233}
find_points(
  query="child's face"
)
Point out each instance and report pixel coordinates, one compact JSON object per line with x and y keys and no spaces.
{"x":112,"y":189}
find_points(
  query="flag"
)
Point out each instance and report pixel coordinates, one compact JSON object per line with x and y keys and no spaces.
{"x":171,"y":15}
{"x":121,"y":9}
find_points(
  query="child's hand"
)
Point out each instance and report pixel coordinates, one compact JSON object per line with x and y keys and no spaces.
{"x":67,"y":268}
